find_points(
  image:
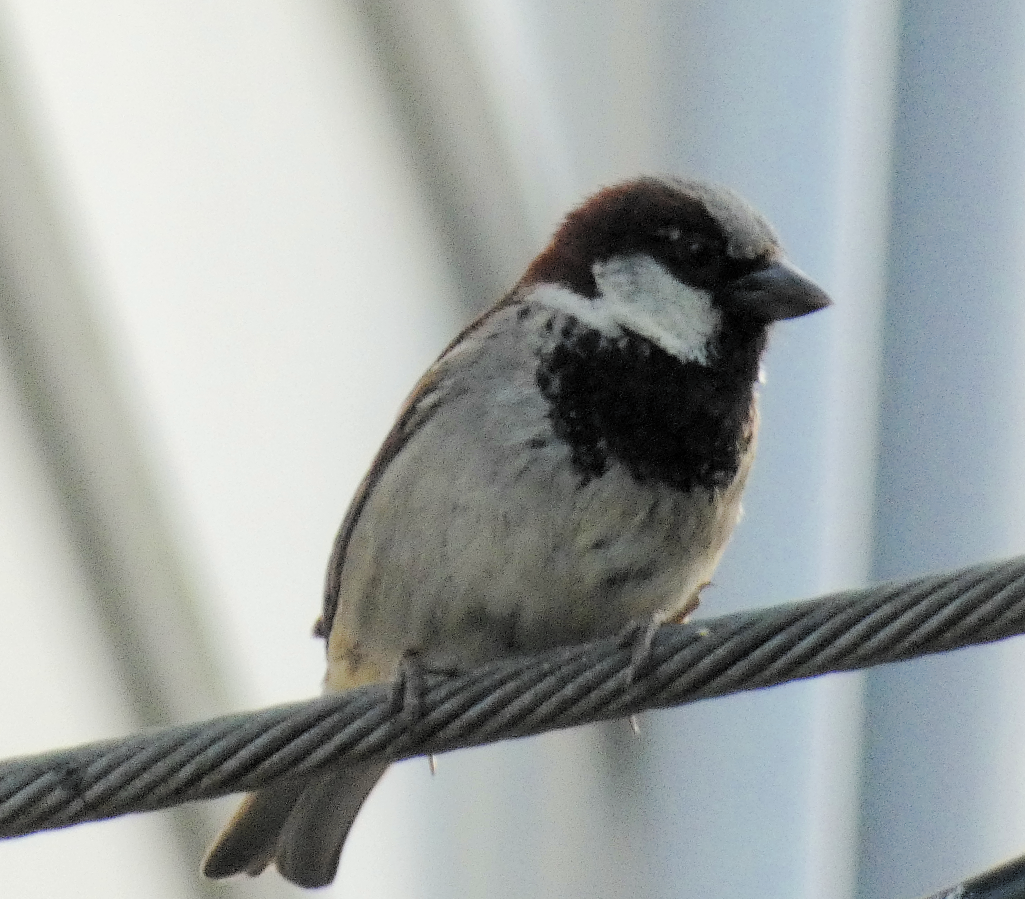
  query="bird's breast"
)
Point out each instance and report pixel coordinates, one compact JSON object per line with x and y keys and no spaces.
{"x":624,"y":399}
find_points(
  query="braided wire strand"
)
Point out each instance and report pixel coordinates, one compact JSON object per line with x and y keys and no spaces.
{"x":515,"y":697}
{"x":1006,"y":881}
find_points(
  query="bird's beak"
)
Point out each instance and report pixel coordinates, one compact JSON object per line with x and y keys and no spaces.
{"x":778,"y":291}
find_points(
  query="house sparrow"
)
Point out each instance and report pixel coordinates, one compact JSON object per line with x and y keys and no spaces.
{"x":570,"y":466}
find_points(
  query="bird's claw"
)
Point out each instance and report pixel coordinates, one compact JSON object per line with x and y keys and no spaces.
{"x":408,"y":688}
{"x":412,"y":678}
{"x":637,"y":635}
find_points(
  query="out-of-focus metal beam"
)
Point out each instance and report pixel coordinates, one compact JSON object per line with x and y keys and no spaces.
{"x":455,"y":143}
{"x":139,"y":581}
{"x":942,"y":787}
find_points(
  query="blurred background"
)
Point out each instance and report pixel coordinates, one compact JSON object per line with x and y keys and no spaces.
{"x":233,"y":234}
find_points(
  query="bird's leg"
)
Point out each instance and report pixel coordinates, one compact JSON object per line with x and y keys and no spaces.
{"x":639,"y":634}
{"x":410,"y":685}
{"x":637,"y":637}
{"x":412,"y":675}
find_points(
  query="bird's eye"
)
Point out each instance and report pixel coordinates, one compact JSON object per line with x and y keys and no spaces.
{"x":699,"y":251}
{"x":694,"y":250}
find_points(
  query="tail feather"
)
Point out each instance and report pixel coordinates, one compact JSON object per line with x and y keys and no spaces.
{"x":311,"y":840}
{"x":299,"y":825}
{"x":249,"y":841}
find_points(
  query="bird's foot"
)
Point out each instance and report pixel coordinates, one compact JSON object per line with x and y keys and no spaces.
{"x":407,"y":689}
{"x":412,"y":678}
{"x":637,"y":635}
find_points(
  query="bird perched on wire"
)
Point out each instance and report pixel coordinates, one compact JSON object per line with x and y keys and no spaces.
{"x":570,"y":468}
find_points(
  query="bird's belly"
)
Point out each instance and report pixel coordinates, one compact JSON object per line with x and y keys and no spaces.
{"x":632,"y":550}
{"x":551,"y":563}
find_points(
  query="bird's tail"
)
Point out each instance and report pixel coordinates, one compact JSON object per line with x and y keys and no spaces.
{"x":297,"y":825}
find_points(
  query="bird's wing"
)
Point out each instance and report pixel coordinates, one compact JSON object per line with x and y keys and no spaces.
{"x":417,"y":407}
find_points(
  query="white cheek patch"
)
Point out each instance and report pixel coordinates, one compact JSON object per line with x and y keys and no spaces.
{"x":640,"y":295}
{"x":637,"y":294}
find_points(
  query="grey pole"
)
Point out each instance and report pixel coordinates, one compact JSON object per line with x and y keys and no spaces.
{"x":943,"y":794}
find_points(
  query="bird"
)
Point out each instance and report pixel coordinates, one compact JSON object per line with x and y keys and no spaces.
{"x":569,"y":468}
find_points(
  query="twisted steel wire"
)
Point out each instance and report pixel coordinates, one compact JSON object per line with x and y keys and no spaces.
{"x":1004,"y":882}
{"x":516,"y":697}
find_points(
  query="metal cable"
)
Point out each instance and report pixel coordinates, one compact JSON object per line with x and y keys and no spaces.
{"x":1004,"y":882}
{"x":513,"y":698}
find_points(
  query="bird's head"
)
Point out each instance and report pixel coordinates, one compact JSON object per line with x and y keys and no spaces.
{"x":672,"y":261}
